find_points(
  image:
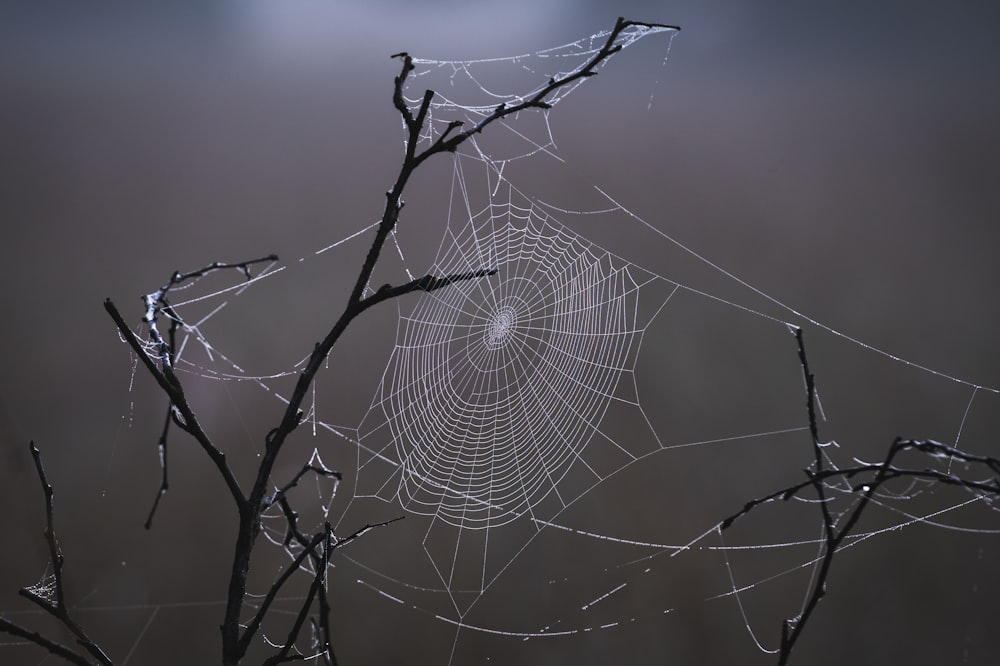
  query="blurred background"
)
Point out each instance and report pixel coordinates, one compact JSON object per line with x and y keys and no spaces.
{"x":841,"y":157}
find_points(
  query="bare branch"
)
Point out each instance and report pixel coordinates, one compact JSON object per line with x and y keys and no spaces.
{"x":172,"y":387}
{"x":156,"y":302}
{"x":321,"y":631}
{"x":814,"y":432}
{"x":538,"y":100}
{"x":254,"y":625}
{"x":319,"y":470}
{"x":400,"y":82}
{"x":280,"y":497}
{"x":318,"y":587}
{"x":56,"y":609}
{"x":427,"y":283}
{"x":40,"y":640}
{"x":880,"y":473}
{"x":340,"y":543}
{"x":55,"y":556}
{"x":161,"y":446}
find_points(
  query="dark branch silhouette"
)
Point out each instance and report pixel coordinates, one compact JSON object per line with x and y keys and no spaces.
{"x":865,"y":480}
{"x":156,"y":303}
{"x":55,"y":607}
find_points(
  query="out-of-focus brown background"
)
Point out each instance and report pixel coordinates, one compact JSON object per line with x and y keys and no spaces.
{"x":842,"y":157}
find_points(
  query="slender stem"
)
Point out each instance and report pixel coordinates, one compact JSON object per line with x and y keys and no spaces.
{"x":171,"y":385}
{"x":57,"y":649}
{"x":57,"y":608}
{"x":791,"y":630}
{"x":161,"y":446}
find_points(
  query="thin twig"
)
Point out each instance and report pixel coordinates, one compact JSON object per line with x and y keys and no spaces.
{"x":319,"y":470}
{"x":880,"y":473}
{"x":171,"y":385}
{"x":272,"y":593}
{"x":33,"y":636}
{"x":161,"y":447}
{"x":537,"y":101}
{"x":156,"y":302}
{"x":280,"y":497}
{"x":317,"y":588}
{"x":58,"y":608}
{"x":340,"y":543}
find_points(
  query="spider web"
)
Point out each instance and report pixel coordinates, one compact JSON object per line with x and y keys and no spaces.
{"x":496,"y":389}
{"x":491,"y":406}
{"x":499,"y":417}
{"x":528,"y":424}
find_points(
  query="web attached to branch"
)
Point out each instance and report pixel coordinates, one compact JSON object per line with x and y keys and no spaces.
{"x":490,"y":408}
{"x":567,"y":437}
{"x":469,"y":91}
{"x":510,"y":406}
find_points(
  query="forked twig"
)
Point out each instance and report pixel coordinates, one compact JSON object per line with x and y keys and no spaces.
{"x":56,"y":608}
{"x":875,"y":475}
{"x":156,"y":302}
{"x":448,"y":142}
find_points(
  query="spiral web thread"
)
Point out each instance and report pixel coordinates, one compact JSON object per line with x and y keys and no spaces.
{"x":495,"y":393}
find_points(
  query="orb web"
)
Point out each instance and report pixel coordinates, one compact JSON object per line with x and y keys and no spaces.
{"x":495,"y":392}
